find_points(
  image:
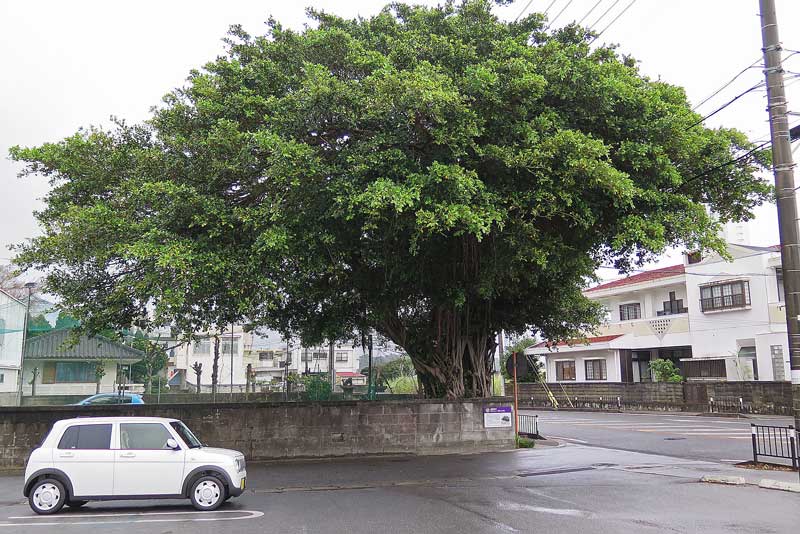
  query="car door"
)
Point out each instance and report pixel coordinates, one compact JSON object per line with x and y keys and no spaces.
{"x":144,"y":464}
{"x":84,"y":454}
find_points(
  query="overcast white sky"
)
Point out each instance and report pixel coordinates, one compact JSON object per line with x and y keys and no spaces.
{"x":70,"y":64}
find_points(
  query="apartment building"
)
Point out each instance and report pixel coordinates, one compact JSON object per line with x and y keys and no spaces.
{"x":716,"y":318}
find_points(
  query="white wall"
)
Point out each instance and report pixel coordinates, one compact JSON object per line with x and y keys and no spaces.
{"x":609,"y":355}
{"x":107,"y":383}
{"x":12,"y":317}
{"x":723,"y":333}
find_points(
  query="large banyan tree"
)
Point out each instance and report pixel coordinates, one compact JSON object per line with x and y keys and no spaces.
{"x":436,"y":174}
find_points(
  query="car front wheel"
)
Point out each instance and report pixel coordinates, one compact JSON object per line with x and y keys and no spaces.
{"x":207,"y":493}
{"x":47,"y":496}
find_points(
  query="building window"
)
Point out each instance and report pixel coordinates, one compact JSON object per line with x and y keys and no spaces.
{"x":725,"y":296}
{"x":595,"y":369}
{"x":565,"y":370}
{"x":779,"y":277}
{"x":629,"y":312}
{"x":305,"y":356}
{"x":672,"y":306}
{"x":320,"y":355}
{"x":202,"y":347}
{"x":68,"y":372}
{"x":341,"y":356}
{"x":266,"y":355}
{"x":2,"y":378}
{"x":225,"y":346}
{"x":704,"y":369}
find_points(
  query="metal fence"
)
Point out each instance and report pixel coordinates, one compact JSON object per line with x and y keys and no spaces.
{"x":528,"y":425}
{"x":774,"y":442}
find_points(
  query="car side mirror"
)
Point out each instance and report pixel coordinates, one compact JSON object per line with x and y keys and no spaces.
{"x":172,"y":444}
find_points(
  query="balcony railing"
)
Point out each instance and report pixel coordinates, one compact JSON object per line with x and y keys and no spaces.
{"x":724,"y":302}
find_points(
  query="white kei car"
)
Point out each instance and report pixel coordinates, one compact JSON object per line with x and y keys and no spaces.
{"x":108,"y":458}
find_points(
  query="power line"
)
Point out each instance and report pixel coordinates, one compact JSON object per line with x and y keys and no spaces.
{"x":589,"y":12}
{"x":613,"y":21}
{"x":604,"y":14}
{"x":548,"y":7}
{"x":721,"y":165}
{"x":715,"y":93}
{"x":559,"y":13}
{"x":726,"y":104}
{"x":524,"y":9}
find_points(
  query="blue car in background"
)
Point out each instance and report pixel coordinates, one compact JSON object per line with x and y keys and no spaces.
{"x":111,"y":398}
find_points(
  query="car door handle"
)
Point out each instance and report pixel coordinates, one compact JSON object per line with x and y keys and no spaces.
{"x":67,"y":455}
{"x":127,"y":455}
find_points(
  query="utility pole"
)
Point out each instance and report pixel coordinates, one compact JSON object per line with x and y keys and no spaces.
{"x":20,"y":376}
{"x":331,"y":370}
{"x":783,"y":168}
{"x":370,"y":385}
{"x":231,"y":398}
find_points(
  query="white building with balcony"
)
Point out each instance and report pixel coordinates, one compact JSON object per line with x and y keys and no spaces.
{"x":716,"y":319}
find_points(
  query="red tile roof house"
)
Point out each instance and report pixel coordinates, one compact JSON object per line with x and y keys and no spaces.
{"x":716,"y":319}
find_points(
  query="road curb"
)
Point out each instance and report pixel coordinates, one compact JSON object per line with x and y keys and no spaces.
{"x":768,"y":483}
{"x":721,"y":479}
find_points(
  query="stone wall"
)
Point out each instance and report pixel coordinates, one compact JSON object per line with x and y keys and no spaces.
{"x":745,"y":397}
{"x":267,"y":431}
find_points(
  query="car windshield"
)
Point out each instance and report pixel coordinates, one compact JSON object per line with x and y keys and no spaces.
{"x":186,"y":435}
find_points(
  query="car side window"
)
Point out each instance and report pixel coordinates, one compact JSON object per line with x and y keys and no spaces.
{"x":102,"y":400}
{"x":86,"y":437}
{"x":143,"y":436}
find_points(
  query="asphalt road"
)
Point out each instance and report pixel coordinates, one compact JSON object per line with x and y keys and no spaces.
{"x":717,"y":439}
{"x":567,"y":489}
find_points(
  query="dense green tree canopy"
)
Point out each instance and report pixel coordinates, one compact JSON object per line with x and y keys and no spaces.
{"x":435,"y":173}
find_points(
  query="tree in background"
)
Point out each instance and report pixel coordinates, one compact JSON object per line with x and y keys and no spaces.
{"x":665,"y":371}
{"x":99,"y":373}
{"x":153,"y":362}
{"x":535,"y":366}
{"x":436,"y":174}
{"x":37,"y":325}
{"x":197,"y":367}
{"x":64,"y":320}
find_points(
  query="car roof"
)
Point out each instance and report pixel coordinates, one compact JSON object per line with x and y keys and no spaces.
{"x":120,"y":419}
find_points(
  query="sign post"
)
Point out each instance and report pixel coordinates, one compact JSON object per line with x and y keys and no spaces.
{"x":516,"y":403}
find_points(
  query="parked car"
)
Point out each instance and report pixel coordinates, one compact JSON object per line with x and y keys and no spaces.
{"x":111,"y":398}
{"x":107,"y":458}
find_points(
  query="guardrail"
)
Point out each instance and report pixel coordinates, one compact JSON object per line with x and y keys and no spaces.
{"x":528,"y":425}
{"x":774,"y":442}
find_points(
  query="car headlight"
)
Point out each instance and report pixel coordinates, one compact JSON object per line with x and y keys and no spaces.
{"x":239,"y":464}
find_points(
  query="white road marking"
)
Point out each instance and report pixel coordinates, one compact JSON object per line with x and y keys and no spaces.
{"x":176,"y":512}
{"x":252,"y":515}
{"x":517,"y":507}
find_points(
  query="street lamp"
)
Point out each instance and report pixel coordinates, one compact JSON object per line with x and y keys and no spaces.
{"x":29,"y":286}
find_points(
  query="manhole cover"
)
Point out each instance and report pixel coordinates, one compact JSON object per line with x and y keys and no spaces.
{"x":673,"y":439}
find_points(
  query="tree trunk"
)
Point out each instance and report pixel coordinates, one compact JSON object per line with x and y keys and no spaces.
{"x":452,"y":352}
{"x":198,"y":383}
{"x":215,"y":368}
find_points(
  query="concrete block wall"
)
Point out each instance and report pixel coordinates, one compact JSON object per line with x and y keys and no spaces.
{"x":756,"y":397}
{"x":268,"y":431}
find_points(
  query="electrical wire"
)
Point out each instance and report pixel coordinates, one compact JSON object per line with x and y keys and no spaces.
{"x":559,"y":13}
{"x":589,"y":12}
{"x":613,"y":21}
{"x":604,"y":14}
{"x":547,"y":9}
{"x":715,"y":93}
{"x":726,"y":104}
{"x":721,"y":165}
{"x":524,"y":9}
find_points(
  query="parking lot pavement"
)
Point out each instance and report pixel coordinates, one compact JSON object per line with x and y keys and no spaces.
{"x":717,"y":439}
{"x":567,"y":489}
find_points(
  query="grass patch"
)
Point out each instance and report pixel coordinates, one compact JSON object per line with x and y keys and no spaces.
{"x":525,"y":443}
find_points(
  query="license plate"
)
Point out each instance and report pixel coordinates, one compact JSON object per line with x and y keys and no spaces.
{"x":241,"y":484}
